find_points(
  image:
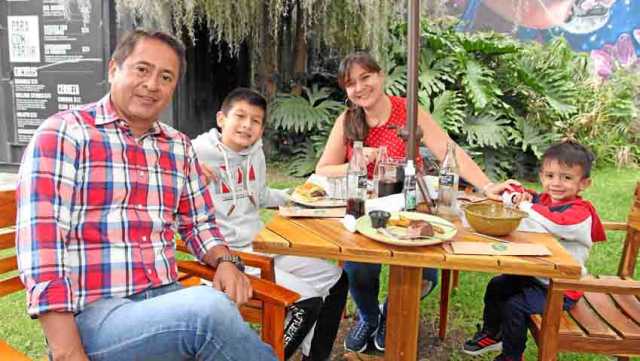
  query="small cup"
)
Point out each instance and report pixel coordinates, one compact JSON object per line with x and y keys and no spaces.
{"x":379,"y":218}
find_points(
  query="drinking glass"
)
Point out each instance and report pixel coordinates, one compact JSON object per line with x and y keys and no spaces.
{"x":337,"y":187}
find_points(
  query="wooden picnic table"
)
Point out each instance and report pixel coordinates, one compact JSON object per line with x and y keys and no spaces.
{"x":327,"y":238}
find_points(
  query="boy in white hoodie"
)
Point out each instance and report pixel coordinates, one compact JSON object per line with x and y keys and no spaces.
{"x":235,"y":161}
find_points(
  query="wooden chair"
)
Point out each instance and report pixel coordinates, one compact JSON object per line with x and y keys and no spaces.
{"x":269,"y":304}
{"x":10,"y":282}
{"x":607,"y":319}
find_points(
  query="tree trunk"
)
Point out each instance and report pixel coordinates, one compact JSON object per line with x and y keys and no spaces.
{"x":299,"y":52}
{"x":268,"y":66}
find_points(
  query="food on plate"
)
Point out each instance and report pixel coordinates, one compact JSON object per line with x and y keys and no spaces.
{"x":399,"y":222}
{"x":420,"y":228}
{"x":310,"y":192}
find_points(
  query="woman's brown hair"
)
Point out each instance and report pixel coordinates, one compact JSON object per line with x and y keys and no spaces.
{"x":355,"y":123}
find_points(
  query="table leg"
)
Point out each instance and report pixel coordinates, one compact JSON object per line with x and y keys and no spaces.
{"x":403,"y":313}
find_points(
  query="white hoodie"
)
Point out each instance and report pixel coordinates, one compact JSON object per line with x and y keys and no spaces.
{"x":240,"y":188}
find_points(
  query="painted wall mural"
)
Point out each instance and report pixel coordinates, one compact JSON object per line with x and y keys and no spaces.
{"x":608,"y":29}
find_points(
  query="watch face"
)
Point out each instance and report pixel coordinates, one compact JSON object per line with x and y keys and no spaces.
{"x":237,"y":261}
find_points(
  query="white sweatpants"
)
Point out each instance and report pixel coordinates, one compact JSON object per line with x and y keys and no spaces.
{"x":310,"y":277}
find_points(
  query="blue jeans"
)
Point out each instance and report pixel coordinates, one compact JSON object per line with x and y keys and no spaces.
{"x":364,"y":285}
{"x":169,"y":323}
{"x":508,"y":302}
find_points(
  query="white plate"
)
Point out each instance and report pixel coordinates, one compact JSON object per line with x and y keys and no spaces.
{"x":363,"y":225}
{"x":321,"y":203}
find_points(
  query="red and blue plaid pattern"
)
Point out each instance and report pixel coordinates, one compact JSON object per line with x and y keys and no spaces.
{"x":98,"y":209}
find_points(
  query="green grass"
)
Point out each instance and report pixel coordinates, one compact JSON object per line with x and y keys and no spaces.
{"x":611,"y":193}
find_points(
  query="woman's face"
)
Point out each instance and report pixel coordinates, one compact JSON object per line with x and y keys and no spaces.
{"x":364,"y":88}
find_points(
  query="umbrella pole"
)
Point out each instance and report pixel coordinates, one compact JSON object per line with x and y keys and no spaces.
{"x":413,"y":58}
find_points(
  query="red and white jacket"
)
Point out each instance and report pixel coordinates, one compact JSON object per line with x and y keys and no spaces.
{"x":575,"y":223}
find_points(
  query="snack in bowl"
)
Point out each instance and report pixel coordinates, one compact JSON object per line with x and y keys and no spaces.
{"x":310,"y":192}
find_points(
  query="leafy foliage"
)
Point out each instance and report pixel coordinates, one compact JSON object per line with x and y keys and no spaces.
{"x":506,"y":101}
{"x":310,"y":116}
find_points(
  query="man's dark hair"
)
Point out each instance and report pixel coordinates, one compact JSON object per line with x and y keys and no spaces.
{"x":129,"y":41}
{"x":570,"y":153}
{"x":247,"y":95}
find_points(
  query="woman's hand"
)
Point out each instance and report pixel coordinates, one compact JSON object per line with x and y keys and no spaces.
{"x":370,"y":154}
{"x":494,"y":191}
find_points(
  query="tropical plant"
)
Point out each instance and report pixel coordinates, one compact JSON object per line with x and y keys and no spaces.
{"x":505,"y":101}
{"x":308,"y":116}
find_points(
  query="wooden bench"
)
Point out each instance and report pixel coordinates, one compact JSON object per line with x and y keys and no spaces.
{"x":8,"y":265}
{"x":607,"y":319}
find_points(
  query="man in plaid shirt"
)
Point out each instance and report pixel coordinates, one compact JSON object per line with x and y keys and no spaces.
{"x":102,"y":191}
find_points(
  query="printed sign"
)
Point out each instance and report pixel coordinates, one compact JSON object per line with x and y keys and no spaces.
{"x":24,"y":39}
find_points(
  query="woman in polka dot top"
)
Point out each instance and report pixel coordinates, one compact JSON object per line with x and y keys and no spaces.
{"x":374,"y":117}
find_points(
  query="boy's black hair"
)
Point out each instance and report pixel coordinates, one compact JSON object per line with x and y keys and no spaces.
{"x":247,"y":95}
{"x":570,"y":153}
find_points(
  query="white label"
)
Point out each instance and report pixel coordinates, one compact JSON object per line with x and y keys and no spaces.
{"x":24,"y":39}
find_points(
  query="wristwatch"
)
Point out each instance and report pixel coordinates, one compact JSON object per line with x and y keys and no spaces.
{"x":233,"y":259}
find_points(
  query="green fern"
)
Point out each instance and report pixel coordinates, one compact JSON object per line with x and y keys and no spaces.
{"x":479,"y":84}
{"x":448,"y":111}
{"x":301,"y":114}
{"x":486,"y":130}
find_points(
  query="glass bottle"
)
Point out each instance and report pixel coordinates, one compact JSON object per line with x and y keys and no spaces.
{"x":356,"y":181}
{"x":448,"y":184}
{"x":409,"y":187}
{"x":380,"y":172}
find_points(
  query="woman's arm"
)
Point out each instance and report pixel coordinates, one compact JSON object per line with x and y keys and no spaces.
{"x":436,"y":140}
{"x":333,"y":159}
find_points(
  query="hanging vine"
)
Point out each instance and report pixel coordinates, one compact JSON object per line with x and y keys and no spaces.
{"x":339,"y":24}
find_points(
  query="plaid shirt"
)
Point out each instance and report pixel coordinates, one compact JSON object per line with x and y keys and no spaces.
{"x":98,"y":209}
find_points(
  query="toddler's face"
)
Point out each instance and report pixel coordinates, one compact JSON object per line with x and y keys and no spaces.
{"x":562,"y":182}
{"x":242,"y":126}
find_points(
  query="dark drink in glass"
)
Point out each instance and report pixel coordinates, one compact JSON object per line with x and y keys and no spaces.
{"x":355,"y":207}
{"x":387,"y":187}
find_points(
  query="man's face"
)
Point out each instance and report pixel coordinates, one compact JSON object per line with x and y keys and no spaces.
{"x":562,"y":182}
{"x":143,"y":85}
{"x":241,"y":126}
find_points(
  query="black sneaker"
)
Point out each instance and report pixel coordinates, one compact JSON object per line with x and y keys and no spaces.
{"x":482,"y":342}
{"x":359,"y":336}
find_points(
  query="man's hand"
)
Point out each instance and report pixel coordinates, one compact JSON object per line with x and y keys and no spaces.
{"x":234,"y":283}
{"x":62,"y":336}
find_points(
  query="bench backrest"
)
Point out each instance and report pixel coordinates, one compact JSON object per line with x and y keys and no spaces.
{"x":632,"y":240}
{"x":8,"y":264}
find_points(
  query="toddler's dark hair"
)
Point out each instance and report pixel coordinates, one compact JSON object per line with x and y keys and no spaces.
{"x":570,"y":153}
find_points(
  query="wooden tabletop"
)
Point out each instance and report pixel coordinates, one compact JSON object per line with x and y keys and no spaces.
{"x":327,"y":238}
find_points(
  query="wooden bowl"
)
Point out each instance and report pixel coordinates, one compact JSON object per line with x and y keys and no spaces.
{"x":493,"y":218}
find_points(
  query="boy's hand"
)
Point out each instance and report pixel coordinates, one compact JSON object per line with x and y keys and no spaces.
{"x":208,"y":173}
{"x":521,"y":197}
